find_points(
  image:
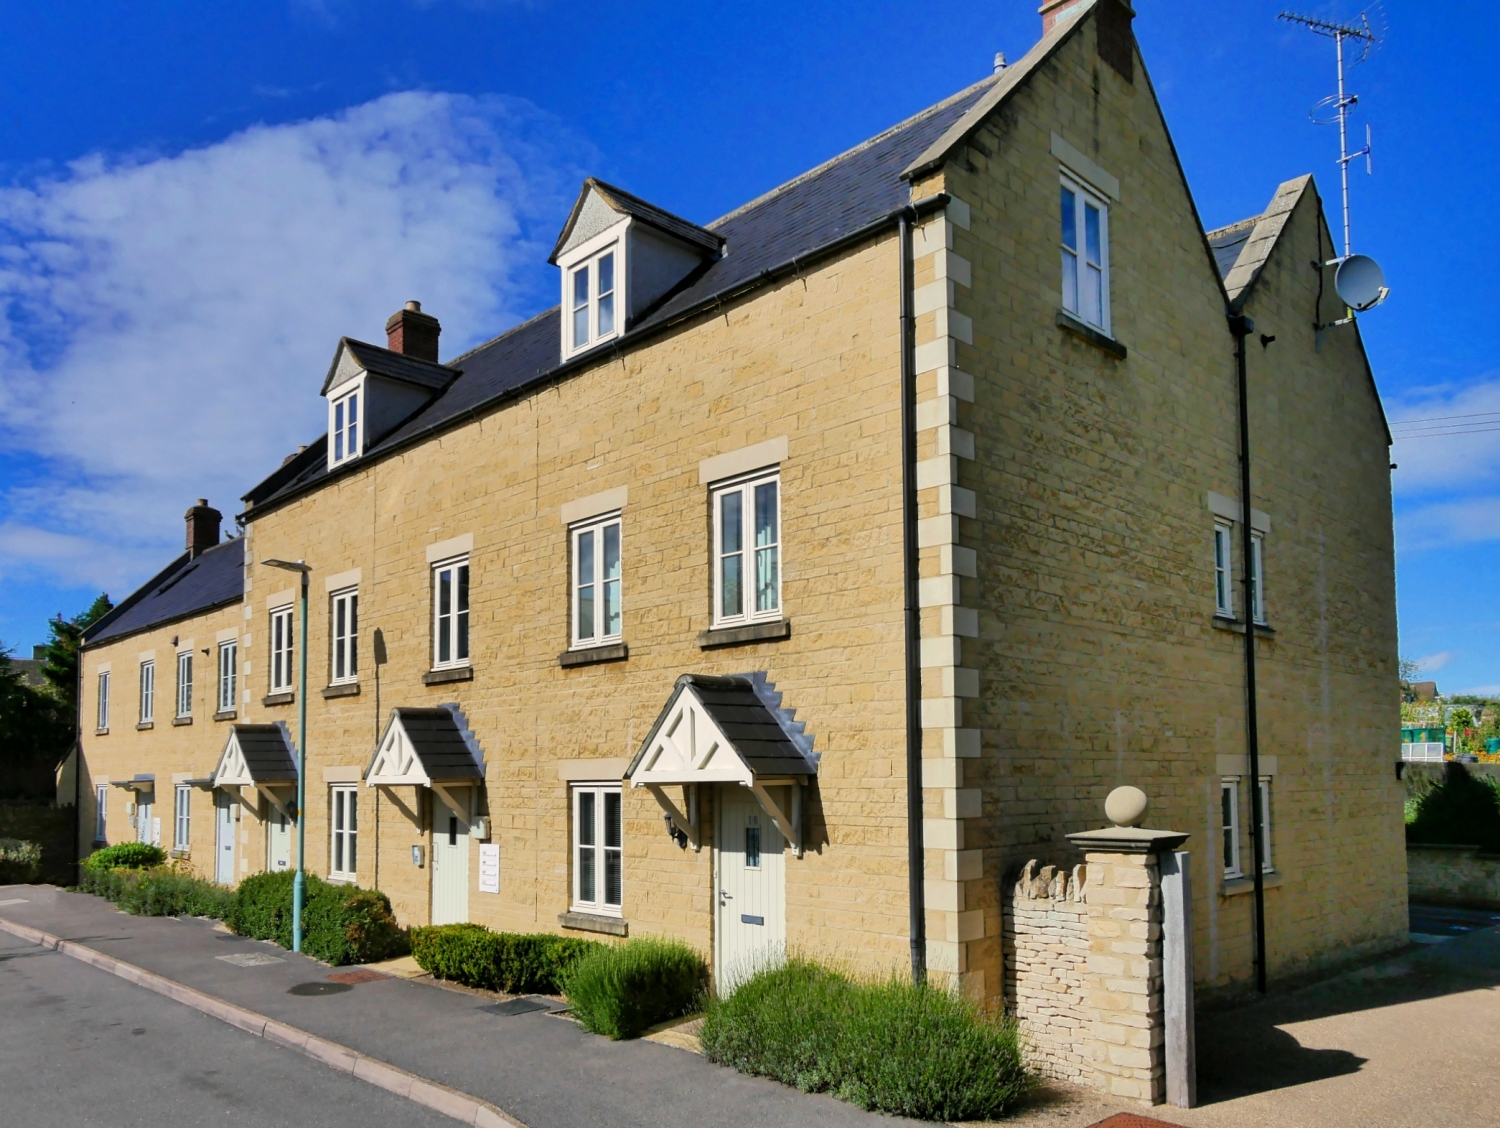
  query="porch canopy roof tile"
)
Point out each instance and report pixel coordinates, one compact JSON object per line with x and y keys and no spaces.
{"x":426,"y":746}
{"x":256,"y":755}
{"x":723,"y":730}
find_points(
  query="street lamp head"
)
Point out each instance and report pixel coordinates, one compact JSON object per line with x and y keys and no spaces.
{"x":288,"y":565}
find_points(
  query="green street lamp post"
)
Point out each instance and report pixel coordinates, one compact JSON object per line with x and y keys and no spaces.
{"x":299,"y":882}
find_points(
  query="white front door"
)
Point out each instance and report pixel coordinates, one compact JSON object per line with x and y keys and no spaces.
{"x":278,"y":841}
{"x":749,"y":862}
{"x":450,"y":863}
{"x":143,"y":816}
{"x":223,"y":837}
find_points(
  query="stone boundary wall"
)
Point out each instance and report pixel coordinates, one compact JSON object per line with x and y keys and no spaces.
{"x":1452,"y":875}
{"x":1046,"y":937}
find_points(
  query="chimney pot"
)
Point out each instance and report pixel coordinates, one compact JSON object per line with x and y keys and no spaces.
{"x":413,"y":333}
{"x":202,"y":527}
{"x":1000,"y":63}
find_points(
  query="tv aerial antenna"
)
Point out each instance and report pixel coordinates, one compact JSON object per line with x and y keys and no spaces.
{"x":1357,"y":279}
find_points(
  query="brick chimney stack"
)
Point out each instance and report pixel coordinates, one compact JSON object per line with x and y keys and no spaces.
{"x":413,"y":333}
{"x":202,"y":527}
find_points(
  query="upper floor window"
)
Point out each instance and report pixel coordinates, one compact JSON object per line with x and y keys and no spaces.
{"x":591,"y":300}
{"x":596,"y":582}
{"x":747,"y":550}
{"x":450,"y":613}
{"x":103,"y":710}
{"x":1257,"y":586}
{"x":229,"y":653}
{"x":344,"y":432}
{"x":281,"y":650}
{"x":1223,"y":565}
{"x":148,"y":692}
{"x":344,"y":635}
{"x":1085,"y":255}
{"x":185,"y":684}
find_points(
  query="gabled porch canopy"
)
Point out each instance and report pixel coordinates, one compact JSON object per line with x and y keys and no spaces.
{"x":727,"y":730}
{"x":259,"y":756}
{"x":427,"y":747}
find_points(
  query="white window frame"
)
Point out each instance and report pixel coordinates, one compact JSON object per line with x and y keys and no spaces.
{"x":1224,"y":569}
{"x":1078,"y":255}
{"x":451,"y":596}
{"x":1257,"y":585}
{"x":280,"y":635}
{"x":587,"y":268}
{"x":343,"y":637}
{"x":1265,"y":825}
{"x":597,"y":582}
{"x":229,"y":656}
{"x":182,"y":818}
{"x":1229,"y":825}
{"x":599,"y":852}
{"x":101,"y":810}
{"x":749,"y":553}
{"x":103,"y":703}
{"x":347,"y":419}
{"x":343,"y":832}
{"x":185,"y":683}
{"x":148,"y":691}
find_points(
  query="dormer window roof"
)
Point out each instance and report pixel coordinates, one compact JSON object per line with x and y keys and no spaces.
{"x":619,"y":256}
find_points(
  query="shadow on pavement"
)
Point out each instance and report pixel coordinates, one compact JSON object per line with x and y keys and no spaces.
{"x":1246,"y":1050}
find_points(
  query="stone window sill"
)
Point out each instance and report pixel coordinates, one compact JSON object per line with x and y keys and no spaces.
{"x":286,"y":697}
{"x":1234,"y":886}
{"x":452,"y":674}
{"x":1067,"y":321}
{"x":742,"y":636}
{"x":101,"y":732}
{"x":348,"y":689}
{"x":145,"y":726}
{"x":182,"y":720}
{"x":590,"y":655}
{"x":1224,"y":623}
{"x":591,"y":922}
{"x":226,"y":715}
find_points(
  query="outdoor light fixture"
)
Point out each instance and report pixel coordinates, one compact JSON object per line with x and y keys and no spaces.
{"x":299,"y":882}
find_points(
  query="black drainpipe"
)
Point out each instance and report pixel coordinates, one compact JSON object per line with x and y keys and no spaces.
{"x":1241,"y":326}
{"x":915,"y":855}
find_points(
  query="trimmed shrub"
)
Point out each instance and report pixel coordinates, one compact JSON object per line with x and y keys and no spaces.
{"x":1462,"y":810}
{"x":125,"y":855}
{"x":622,"y":990}
{"x":341,"y":924}
{"x":921,"y":1052}
{"x":20,"y":862}
{"x":161,"y":891}
{"x":516,"y":963}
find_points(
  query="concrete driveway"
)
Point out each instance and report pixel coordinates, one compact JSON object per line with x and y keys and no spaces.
{"x":1413,"y":1042}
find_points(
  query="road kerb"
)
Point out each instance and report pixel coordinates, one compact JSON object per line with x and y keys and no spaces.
{"x":393,"y":1079}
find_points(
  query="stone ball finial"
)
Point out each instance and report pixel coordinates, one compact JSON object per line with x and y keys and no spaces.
{"x":1126,"y":806}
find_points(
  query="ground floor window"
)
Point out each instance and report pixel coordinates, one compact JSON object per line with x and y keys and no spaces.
{"x":1229,"y":799}
{"x":181,"y":821}
{"x":101,"y":796}
{"x":344,"y":853}
{"x":598,"y":848}
{"x":1265,"y":824}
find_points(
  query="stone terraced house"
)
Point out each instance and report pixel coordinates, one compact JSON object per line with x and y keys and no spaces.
{"x":802,"y":576}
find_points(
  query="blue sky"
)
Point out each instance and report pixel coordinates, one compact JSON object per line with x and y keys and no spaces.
{"x":197,"y":200}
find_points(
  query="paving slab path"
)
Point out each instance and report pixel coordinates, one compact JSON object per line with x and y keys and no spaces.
{"x":544,"y":1071}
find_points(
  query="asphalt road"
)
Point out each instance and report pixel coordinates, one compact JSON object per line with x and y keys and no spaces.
{"x":79,"y":1046}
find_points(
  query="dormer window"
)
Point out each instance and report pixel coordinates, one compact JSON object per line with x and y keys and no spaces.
{"x":344,"y":430}
{"x":594,"y":300}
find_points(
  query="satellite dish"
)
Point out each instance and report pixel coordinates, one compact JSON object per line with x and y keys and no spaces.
{"x":1360,"y":282}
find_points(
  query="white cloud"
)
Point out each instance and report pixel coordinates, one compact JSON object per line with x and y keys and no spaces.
{"x":1449,"y":524}
{"x":1434,"y":662}
{"x":168,"y":321}
{"x":1437,"y":462}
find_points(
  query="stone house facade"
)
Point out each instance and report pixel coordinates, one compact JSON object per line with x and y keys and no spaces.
{"x":638,"y":617}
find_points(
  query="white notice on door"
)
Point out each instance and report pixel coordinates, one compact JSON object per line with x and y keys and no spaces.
{"x":489,"y":867}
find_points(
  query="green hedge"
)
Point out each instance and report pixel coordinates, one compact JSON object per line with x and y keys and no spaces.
{"x":910,"y":1051}
{"x":159,"y":891}
{"x":125,"y":855}
{"x":342,"y":924}
{"x":516,"y":963}
{"x":620,"y":991}
{"x":20,"y":862}
{"x":1461,"y":810}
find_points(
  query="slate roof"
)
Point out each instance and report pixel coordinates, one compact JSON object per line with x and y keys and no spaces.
{"x":1256,"y":239}
{"x":268,"y":752}
{"x":854,"y":192}
{"x":184,"y":587}
{"x":1227,"y":242}
{"x":398,"y":366}
{"x":628,"y":204}
{"x":439,"y":742}
{"x":747,"y":720}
